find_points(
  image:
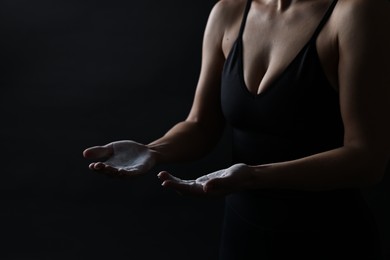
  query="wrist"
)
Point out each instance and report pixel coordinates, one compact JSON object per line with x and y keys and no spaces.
{"x":257,"y":175}
{"x":249,"y":176}
{"x":155,"y":156}
{"x":155,"y":153}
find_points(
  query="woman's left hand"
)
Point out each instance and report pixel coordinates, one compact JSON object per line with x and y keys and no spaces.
{"x":235,"y":178}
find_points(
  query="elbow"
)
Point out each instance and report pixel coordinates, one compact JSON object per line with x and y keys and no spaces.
{"x":210,"y":131}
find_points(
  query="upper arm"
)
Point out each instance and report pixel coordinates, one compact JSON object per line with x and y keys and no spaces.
{"x":206,"y":109}
{"x":364,"y":76}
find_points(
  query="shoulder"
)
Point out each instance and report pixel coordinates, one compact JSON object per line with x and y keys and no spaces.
{"x":362,"y":24}
{"x":229,"y":6}
{"x":363,"y":6}
{"x":362,"y":13}
{"x":226,"y":12}
{"x":222,"y":18}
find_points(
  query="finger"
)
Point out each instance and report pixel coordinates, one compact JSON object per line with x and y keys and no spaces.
{"x":114,"y":172}
{"x":96,"y":166}
{"x":91,"y":166}
{"x":166,"y":176}
{"x":180,"y":187}
{"x":98,"y":151}
{"x":103,"y":168}
{"x":174,"y":184}
{"x":184,"y":187}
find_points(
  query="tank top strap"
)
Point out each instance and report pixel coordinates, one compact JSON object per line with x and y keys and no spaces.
{"x":243,"y":22}
{"x":322,"y":23}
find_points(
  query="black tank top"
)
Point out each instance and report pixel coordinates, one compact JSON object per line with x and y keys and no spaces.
{"x":297,"y":116}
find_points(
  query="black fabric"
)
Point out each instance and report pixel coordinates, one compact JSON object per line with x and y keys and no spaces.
{"x":342,"y":239}
{"x":297,"y":116}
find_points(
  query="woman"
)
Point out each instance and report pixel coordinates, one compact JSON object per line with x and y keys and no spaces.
{"x":305,"y":87}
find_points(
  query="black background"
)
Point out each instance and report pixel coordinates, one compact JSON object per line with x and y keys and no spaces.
{"x":81,"y":73}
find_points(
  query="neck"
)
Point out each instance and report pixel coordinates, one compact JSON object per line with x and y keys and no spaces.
{"x":282,"y":5}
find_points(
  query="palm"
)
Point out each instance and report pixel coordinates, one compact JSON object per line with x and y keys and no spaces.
{"x":232,"y":178}
{"x":123,"y":158}
{"x":195,"y":187}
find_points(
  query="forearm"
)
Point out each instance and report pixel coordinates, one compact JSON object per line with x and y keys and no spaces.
{"x":185,"y":141}
{"x":335,"y":169}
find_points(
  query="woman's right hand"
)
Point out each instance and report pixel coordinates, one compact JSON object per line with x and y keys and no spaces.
{"x":121,"y":158}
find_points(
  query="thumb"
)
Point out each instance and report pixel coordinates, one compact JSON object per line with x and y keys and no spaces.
{"x":98,"y":152}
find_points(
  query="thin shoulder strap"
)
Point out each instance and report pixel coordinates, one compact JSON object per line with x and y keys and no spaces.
{"x":324,"y":19}
{"x":243,"y":22}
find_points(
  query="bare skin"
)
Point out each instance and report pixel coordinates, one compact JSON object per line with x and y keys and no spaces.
{"x":353,"y":50}
{"x":123,"y":158}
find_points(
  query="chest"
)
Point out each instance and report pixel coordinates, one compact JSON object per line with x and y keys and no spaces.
{"x":271,"y":41}
{"x":277,"y":76}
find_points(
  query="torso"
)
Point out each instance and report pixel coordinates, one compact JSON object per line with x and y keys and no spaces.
{"x":283,"y":114}
{"x":286,"y":114}
{"x":281,"y":106}
{"x":272,"y":39}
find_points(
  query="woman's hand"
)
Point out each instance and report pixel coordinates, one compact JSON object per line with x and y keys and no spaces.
{"x":235,"y":178}
{"x":123,"y":158}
